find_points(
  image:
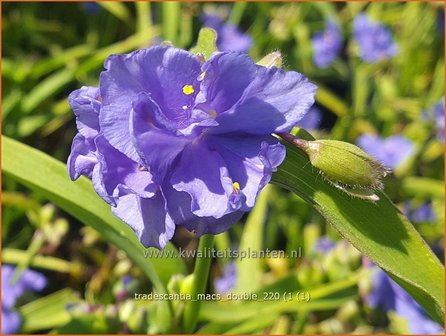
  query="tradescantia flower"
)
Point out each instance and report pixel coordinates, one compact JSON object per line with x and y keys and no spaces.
{"x":324,"y":245}
{"x":436,"y":114}
{"x":391,"y":151}
{"x":374,"y":40}
{"x":12,"y":291}
{"x":327,"y":45}
{"x":422,"y":213}
{"x":228,"y":280}
{"x":311,"y":120}
{"x":389,"y":296}
{"x":168,"y":140}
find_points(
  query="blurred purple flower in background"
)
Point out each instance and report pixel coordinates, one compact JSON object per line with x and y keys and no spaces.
{"x":225,"y":283}
{"x":324,"y":245}
{"x":437,"y":115}
{"x":169,"y":141}
{"x":28,"y":281}
{"x":91,"y":7}
{"x":229,"y":37}
{"x":374,"y":40}
{"x":440,"y":20}
{"x":389,"y":296}
{"x":311,"y":120}
{"x":327,"y":45}
{"x":439,"y":119}
{"x":391,"y":151}
{"x":420,"y":214}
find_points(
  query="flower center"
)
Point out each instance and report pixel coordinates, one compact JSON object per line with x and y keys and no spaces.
{"x":236,"y":187}
{"x":188,"y":89}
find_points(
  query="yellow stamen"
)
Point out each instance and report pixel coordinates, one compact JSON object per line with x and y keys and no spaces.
{"x":236,"y":187}
{"x":188,"y":89}
{"x":213,"y":114}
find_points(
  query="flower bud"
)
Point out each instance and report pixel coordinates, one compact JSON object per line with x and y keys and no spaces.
{"x":346,"y":166}
{"x":272,"y":59}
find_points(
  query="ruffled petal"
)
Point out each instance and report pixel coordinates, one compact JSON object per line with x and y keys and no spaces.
{"x":148,"y":217}
{"x":116,"y":172}
{"x":82,"y":158}
{"x":167,"y":74}
{"x":250,"y":161}
{"x":179,"y":205}
{"x":225,"y":78}
{"x":34,"y":281}
{"x":156,"y":146}
{"x":86,"y":105}
{"x":202,"y":173}
{"x":274,"y":102}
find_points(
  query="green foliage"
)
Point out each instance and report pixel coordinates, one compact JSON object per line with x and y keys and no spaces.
{"x":383,"y":234}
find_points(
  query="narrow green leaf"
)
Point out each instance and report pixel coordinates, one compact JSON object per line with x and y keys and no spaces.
{"x":377,"y":229}
{"x":254,"y":325}
{"x":238,"y":9}
{"x":143,"y":18}
{"x":206,"y":43}
{"x":326,"y":297}
{"x":118,"y":9}
{"x":48,"y":312}
{"x":331,"y":101}
{"x":14,"y":256}
{"x":59,"y":59}
{"x":10,"y":102}
{"x":119,"y":47}
{"x":46,"y":88}
{"x":423,"y":187}
{"x":249,"y":270}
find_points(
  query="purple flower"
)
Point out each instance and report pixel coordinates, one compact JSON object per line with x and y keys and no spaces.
{"x":440,"y":20}
{"x":311,"y":120}
{"x":389,"y":296}
{"x":391,"y":151}
{"x":327,"y":45}
{"x":91,"y":7}
{"x":229,"y":37}
{"x":422,"y":213}
{"x":169,"y":141}
{"x":228,"y":281}
{"x":437,"y":114}
{"x":374,"y":40}
{"x":324,"y":245}
{"x":10,"y":321}
{"x":11,"y":291}
{"x":439,"y":119}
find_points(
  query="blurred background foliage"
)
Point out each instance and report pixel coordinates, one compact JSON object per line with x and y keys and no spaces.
{"x":50,"y":49}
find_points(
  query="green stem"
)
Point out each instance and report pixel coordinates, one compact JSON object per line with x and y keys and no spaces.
{"x":171,"y":20}
{"x":237,"y":12}
{"x":14,"y":256}
{"x":200,"y":279}
{"x":33,"y":249}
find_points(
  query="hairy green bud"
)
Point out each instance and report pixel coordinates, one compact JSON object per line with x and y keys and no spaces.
{"x":344,"y":165}
{"x":272,"y":59}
